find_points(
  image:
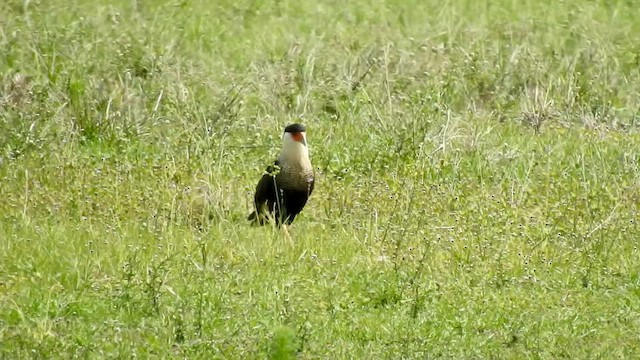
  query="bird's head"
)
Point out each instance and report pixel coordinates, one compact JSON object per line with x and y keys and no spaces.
{"x":294,"y":142}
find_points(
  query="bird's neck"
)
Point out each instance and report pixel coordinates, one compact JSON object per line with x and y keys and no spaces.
{"x":296,"y":159}
{"x":295,"y":163}
{"x":294,"y":153}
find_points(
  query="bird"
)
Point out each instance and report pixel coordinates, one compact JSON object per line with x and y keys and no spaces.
{"x":284,"y":189}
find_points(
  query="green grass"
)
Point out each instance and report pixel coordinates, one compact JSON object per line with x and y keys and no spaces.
{"x":477,"y":196}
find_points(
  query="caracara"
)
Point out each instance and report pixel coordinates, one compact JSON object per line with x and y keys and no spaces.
{"x":283,"y":191}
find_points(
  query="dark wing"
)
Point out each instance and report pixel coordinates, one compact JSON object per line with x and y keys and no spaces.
{"x":265,"y":196}
{"x":311,"y":184}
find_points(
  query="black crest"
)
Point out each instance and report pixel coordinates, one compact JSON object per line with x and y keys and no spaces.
{"x":294,"y":128}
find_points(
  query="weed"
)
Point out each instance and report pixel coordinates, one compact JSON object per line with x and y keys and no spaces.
{"x":477,"y":179}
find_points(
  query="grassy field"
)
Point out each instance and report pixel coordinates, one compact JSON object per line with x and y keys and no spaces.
{"x":477,"y":195}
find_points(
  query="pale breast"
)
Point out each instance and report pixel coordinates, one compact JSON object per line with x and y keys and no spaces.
{"x":295,"y":176}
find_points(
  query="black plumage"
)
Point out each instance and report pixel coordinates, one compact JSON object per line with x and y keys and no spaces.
{"x":295,"y":128}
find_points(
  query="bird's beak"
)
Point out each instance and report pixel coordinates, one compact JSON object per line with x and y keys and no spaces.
{"x":299,"y":137}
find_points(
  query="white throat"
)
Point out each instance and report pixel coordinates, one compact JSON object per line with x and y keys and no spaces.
{"x":295,"y":154}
